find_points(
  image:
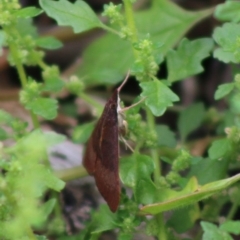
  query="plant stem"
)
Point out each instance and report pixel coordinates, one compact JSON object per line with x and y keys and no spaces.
{"x":162,"y":235}
{"x":71,"y":173}
{"x":154,"y":153}
{"x":232,"y":211}
{"x":89,"y":100}
{"x":30,"y":234}
{"x":131,"y":24}
{"x":23,"y":77}
{"x":109,"y":29}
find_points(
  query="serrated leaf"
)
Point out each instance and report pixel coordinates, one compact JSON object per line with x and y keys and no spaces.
{"x":212,"y":232}
{"x":135,"y":172}
{"x":78,"y":15}
{"x":103,"y":220}
{"x":186,"y":60}
{"x":227,"y":38}
{"x":219,"y":148}
{"x":223,"y":90}
{"x":191,"y":194}
{"x":222,"y":55}
{"x":28,"y":12}
{"x":111,"y":69}
{"x":231,"y":227}
{"x":45,"y":107}
{"x":50,"y":180}
{"x":82,"y":133}
{"x":165,"y":136}
{"x":48,"y":43}
{"x":228,"y":11}
{"x":159,"y":96}
{"x":190,"y":119}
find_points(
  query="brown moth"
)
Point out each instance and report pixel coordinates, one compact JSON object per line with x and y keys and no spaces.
{"x":101,"y":157}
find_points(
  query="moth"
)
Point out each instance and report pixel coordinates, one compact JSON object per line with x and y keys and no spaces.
{"x":101,"y":157}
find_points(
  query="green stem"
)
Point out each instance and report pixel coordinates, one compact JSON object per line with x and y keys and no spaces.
{"x":154,"y":153}
{"x":109,"y":29}
{"x":131,"y":23}
{"x":71,"y":173}
{"x":232,"y":211}
{"x":89,"y":100}
{"x":31,"y":234}
{"x":162,"y":233}
{"x":22,"y":76}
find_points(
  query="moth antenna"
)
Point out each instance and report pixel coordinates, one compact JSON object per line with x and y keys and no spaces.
{"x":135,"y":104}
{"x":124,"y":81}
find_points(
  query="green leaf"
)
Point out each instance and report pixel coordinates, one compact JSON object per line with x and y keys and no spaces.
{"x":45,"y":107}
{"x":190,"y":119}
{"x":159,"y":96}
{"x":47,"y":208}
{"x":135,"y":172}
{"x":52,"y":138}
{"x":108,"y":70}
{"x":212,"y":232}
{"x":103,"y":220}
{"x":191,"y":194}
{"x":53,"y":84}
{"x":82,"y":133}
{"x":28,"y":12}
{"x":50,"y":180}
{"x":48,"y":43}
{"x":219,"y":148}
{"x":111,"y":69}
{"x":78,"y":15}
{"x":3,"y":134}
{"x":2,"y":41}
{"x":213,"y":170}
{"x":125,"y":236}
{"x":44,"y":140}
{"x":228,"y":11}
{"x":186,"y":60}
{"x":234,"y":101}
{"x":231,"y":227}
{"x":184,"y":219}
{"x":223,"y":90}
{"x":5,"y":117}
{"x":227,"y":37}
{"x":165,"y":136}
{"x":41,"y":237}
{"x":25,"y":27}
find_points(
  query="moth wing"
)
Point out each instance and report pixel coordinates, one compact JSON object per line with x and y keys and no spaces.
{"x":102,"y":154}
{"x":90,"y":157}
{"x":107,"y":175}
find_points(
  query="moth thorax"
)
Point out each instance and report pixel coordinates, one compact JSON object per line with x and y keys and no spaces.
{"x":122,"y":124}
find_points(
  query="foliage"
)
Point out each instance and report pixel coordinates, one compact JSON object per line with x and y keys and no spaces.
{"x":142,"y":44}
